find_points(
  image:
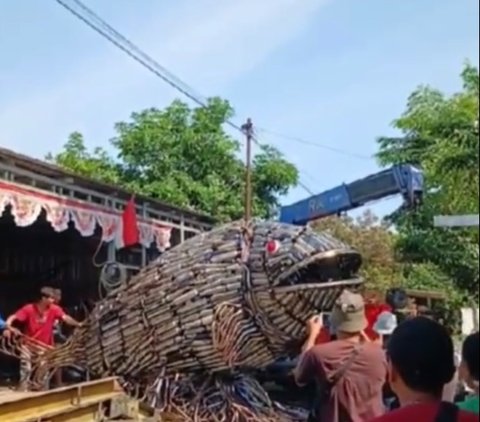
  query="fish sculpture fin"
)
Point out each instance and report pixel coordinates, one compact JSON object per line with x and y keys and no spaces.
{"x":48,"y":361}
{"x":234,"y":336}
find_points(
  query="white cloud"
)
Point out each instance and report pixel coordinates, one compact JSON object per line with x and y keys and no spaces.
{"x":208,"y":43}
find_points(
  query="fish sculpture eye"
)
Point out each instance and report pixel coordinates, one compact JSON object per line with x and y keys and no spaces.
{"x":272,"y":247}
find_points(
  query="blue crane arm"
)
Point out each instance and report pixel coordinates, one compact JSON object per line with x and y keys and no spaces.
{"x":404,"y":180}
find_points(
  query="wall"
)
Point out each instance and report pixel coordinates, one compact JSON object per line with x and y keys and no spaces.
{"x":35,"y":256}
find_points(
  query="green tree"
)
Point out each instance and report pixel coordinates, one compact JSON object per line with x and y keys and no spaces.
{"x":439,"y":133}
{"x":429,"y":277}
{"x":375,"y":242}
{"x":184,"y":156}
{"x":77,"y":158}
{"x":383,"y":268}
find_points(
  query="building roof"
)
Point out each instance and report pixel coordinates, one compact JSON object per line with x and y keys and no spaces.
{"x":46,"y":170}
{"x":426,"y":294}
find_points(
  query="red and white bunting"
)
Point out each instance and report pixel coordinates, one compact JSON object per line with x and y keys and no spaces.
{"x":26,"y":205}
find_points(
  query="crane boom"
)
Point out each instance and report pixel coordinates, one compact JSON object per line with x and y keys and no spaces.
{"x":403,"y":179}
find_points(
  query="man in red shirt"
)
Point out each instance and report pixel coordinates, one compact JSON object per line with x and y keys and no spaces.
{"x":421,"y":362}
{"x":39,"y":320}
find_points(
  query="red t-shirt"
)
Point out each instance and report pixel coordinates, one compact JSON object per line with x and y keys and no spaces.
{"x":421,"y":413}
{"x":39,"y":325}
{"x":323,"y":336}
{"x":372,"y":312}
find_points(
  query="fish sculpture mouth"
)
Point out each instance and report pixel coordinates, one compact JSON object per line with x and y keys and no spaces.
{"x":309,"y":287}
{"x":336,"y":267}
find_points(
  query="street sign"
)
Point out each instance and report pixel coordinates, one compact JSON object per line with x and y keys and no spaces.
{"x":469,"y":220}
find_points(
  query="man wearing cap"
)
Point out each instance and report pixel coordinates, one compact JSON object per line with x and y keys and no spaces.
{"x":349,"y":371}
{"x":384,"y":326}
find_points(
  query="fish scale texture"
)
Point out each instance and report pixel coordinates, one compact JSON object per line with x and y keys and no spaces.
{"x":236,"y":297}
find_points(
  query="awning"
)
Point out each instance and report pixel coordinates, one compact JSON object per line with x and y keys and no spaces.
{"x":26,"y":205}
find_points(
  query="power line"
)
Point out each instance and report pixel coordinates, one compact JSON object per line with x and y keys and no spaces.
{"x":315,"y":144}
{"x":305,"y":188}
{"x":99,"y":25}
{"x":300,"y":171}
{"x":132,"y":50}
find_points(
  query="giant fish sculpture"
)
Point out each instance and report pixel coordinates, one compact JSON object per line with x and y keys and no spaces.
{"x":234,"y":298}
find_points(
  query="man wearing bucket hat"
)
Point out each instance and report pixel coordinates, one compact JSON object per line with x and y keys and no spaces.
{"x":350,"y":373}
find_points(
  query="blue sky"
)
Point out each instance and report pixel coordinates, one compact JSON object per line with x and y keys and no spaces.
{"x":333,"y":72}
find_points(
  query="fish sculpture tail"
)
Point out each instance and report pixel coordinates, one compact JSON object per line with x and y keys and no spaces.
{"x":71,"y":353}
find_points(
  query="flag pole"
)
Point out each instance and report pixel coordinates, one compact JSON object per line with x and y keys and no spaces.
{"x":247,"y":129}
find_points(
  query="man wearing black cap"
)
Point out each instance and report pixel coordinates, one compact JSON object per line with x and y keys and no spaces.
{"x":349,"y":371}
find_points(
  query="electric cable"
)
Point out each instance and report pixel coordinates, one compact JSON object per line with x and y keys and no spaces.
{"x":315,"y":144}
{"x":100,"y":26}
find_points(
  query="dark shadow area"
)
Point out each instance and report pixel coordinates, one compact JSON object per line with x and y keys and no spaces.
{"x":36,"y":256}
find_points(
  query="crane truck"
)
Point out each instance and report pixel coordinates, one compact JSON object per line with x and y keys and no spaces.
{"x":403,"y":179}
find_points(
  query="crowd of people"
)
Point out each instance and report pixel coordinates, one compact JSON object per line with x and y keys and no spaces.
{"x":402,"y":375}
{"x":37,"y":324}
{"x":385,"y":372}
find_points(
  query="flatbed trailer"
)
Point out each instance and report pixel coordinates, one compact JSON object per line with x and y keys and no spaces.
{"x":91,"y":401}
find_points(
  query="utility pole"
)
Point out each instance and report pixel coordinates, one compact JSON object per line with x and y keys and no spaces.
{"x":247,"y":129}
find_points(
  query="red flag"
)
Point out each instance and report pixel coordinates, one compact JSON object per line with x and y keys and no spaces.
{"x":130,"y":226}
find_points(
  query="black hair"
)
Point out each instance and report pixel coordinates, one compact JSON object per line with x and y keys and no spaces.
{"x":46,"y":292}
{"x":401,"y":316}
{"x":422,"y":353}
{"x":397,"y":298}
{"x":470,"y":354}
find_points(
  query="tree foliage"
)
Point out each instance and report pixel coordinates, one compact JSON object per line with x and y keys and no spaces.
{"x":440,"y":135}
{"x":429,"y":277}
{"x":185,"y":157}
{"x":382,"y":268}
{"x":375,"y":242}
